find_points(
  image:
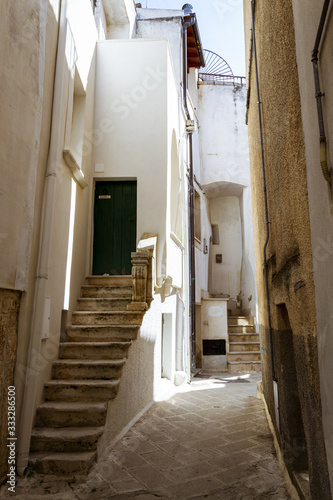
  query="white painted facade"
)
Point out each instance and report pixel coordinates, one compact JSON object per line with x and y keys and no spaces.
{"x":226,"y":178}
{"x":225,"y":268}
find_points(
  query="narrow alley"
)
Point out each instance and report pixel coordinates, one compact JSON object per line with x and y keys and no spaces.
{"x":209,"y":440}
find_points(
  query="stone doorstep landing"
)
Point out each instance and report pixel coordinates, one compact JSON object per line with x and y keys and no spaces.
{"x":85,"y":378}
{"x":244,"y":345}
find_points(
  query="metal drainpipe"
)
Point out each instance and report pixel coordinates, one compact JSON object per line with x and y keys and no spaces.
{"x":265,"y":196}
{"x":319,"y":94}
{"x":189,"y":21}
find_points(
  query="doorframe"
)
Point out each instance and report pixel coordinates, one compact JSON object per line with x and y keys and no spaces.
{"x":91,"y":214}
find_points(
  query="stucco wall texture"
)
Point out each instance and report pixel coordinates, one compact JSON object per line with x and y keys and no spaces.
{"x":289,"y":253}
{"x":9,"y":308}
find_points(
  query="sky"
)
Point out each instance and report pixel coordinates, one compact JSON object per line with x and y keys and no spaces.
{"x":220,"y":24}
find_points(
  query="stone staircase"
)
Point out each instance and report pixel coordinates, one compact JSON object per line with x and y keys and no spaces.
{"x":244,"y":345}
{"x":85,"y":377}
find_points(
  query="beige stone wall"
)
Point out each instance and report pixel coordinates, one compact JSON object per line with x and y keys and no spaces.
{"x":320,"y":193}
{"x":289,"y":252}
{"x":9,"y":308}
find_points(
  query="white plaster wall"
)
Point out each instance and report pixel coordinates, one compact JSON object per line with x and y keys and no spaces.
{"x":131,"y":112}
{"x":23,"y":44}
{"x":100,"y":21}
{"x":224,"y":141}
{"x":158,"y":24}
{"x":120,"y":16}
{"x":307,"y":15}
{"x":84,"y":31}
{"x":214,"y":315}
{"x":225,"y":173}
{"x":140,"y":378}
{"x":202,"y":259}
{"x":214,"y":325}
{"x":175,"y":176}
{"x":23,"y":172}
{"x":226,"y":277}
{"x":248,"y":283}
{"x":55,"y":288}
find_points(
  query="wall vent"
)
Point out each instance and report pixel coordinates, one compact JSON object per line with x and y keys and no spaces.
{"x":214,"y":347}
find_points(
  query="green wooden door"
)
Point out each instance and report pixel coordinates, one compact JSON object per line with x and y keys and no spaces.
{"x":114,"y":227}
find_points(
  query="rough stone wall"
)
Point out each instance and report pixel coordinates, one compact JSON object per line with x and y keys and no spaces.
{"x":9,"y":307}
{"x":289,"y":253}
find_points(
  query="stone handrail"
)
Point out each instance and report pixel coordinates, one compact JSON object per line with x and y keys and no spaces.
{"x":143,"y":275}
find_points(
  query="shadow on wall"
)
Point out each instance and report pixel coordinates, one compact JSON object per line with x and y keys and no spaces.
{"x":140,"y":376}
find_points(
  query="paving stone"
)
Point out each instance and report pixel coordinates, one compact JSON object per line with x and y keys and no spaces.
{"x":211,"y":442}
{"x":150,"y":477}
{"x":237,"y":446}
{"x":139,"y":445}
{"x":237,"y":474}
{"x":240,"y":435}
{"x":127,"y":486}
{"x":204,"y":444}
{"x":228,"y":461}
{"x":162,"y":460}
{"x":180,"y":436}
{"x":193,"y":488}
{"x":128,"y":459}
{"x":263,"y":450}
{"x":197,"y":470}
{"x":275,"y":494}
{"x":152,"y":434}
{"x":271,"y":465}
{"x":264,"y":482}
{"x":212,"y":453}
{"x":182,"y":453}
{"x":111,"y":471}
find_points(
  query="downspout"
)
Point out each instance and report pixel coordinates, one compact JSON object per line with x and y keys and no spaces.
{"x":265,"y":196}
{"x":248,"y":94}
{"x":189,"y":21}
{"x":32,"y":373}
{"x":319,"y":94}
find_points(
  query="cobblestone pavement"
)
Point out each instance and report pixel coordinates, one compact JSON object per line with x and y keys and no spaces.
{"x":209,"y":441}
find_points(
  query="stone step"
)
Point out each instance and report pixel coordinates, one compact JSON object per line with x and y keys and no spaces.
{"x":243,"y":337}
{"x":81,"y":390}
{"x":107,"y":333}
{"x":241,"y":329}
{"x":244,"y":366}
{"x":107,"y":292}
{"x":244,"y":356}
{"x":107,"y":318}
{"x":240,"y":320}
{"x":107,"y":280}
{"x":62,"y":463}
{"x":244,"y":346}
{"x":94,"y":350}
{"x":91,"y":369}
{"x":67,"y":439}
{"x":71,"y":414}
{"x":102,"y":304}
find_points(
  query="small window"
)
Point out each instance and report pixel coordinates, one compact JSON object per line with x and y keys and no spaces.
{"x":215,"y":234}
{"x":197,"y":216}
